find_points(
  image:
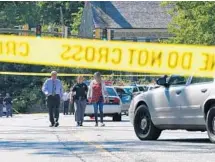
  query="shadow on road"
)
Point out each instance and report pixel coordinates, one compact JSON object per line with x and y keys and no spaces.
{"x":67,"y":148}
{"x":46,"y":148}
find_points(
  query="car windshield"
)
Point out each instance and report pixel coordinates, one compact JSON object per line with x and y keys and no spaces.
{"x":128,"y":90}
{"x":120,"y":90}
{"x":143,"y":89}
{"x":111,"y":92}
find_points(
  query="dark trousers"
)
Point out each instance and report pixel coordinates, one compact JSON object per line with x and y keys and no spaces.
{"x":53,"y":103}
{"x":72,"y":107}
{"x":9,"y":110}
{"x":66,"y":107}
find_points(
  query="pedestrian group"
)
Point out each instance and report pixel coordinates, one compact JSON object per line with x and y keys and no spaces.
{"x":77,"y":98}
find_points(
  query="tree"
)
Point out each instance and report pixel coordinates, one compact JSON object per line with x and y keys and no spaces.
{"x":77,"y":20}
{"x":192,"y":22}
{"x":26,"y":90}
{"x":19,"y":13}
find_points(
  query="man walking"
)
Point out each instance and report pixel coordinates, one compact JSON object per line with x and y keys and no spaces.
{"x":8,"y":104}
{"x":53,"y":90}
{"x":1,"y":105}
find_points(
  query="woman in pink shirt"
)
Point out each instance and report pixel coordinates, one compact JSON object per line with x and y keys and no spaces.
{"x":97,"y":95}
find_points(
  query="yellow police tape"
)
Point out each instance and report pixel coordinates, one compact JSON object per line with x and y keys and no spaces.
{"x":66,"y":75}
{"x":109,"y":55}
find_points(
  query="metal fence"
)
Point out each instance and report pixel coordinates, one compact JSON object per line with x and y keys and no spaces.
{"x":9,"y":31}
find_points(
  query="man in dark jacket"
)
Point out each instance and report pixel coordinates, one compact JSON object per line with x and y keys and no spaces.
{"x":8,"y":105}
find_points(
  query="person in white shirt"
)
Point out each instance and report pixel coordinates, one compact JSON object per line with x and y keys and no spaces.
{"x":53,"y":90}
{"x":66,"y":99}
{"x":71,"y":104}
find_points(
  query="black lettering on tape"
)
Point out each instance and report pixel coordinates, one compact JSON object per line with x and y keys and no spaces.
{"x":213,"y":63}
{"x":77,"y":51}
{"x":186,"y":60}
{"x":131,"y":55}
{"x":103,"y":54}
{"x":11,"y":47}
{"x":210,"y":62}
{"x":65,"y":54}
{"x":118,"y":52}
{"x":90,"y":54}
{"x":156,"y":57}
{"x":24,"y":49}
{"x":173,"y":59}
{"x":206,"y":61}
{"x":143,"y":57}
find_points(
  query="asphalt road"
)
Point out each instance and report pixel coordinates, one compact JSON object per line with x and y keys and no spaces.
{"x":28,"y":138}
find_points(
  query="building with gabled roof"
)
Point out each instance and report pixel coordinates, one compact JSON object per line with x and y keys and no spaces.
{"x":131,"y":20}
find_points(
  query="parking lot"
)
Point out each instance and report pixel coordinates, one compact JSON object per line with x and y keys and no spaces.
{"x":28,"y":138}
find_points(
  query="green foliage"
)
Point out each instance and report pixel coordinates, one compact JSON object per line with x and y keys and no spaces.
{"x":27,"y":99}
{"x":26,"y":90}
{"x":43,"y":12}
{"x":193,"y":22}
{"x":77,"y":20}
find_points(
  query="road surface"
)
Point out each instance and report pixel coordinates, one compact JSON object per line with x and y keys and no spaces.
{"x":28,"y":138}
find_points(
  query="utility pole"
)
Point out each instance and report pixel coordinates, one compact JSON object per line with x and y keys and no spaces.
{"x":62,"y":22}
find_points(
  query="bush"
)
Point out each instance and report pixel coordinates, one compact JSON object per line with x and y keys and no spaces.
{"x":27,"y":99}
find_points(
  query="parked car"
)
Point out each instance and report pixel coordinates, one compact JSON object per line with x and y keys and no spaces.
{"x":186,"y":103}
{"x":112,"y":109}
{"x":142,"y":88}
{"x":87,"y":82}
{"x":132,"y":89}
{"x":125,"y":97}
{"x":151,"y":87}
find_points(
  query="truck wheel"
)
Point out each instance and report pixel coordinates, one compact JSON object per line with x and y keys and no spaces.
{"x":143,"y":126}
{"x":117,"y":117}
{"x":210,"y":124}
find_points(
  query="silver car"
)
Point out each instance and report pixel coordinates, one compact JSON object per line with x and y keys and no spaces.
{"x":179,"y":103}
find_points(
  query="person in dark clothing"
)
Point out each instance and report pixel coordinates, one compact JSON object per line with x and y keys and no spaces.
{"x":80,"y":90}
{"x":1,"y":105}
{"x":8,"y":104}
